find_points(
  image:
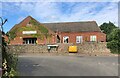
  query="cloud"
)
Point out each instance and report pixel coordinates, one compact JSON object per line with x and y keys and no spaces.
{"x":59,"y":0}
{"x":10,"y":8}
{"x":29,"y":6}
{"x":109,"y":12}
{"x":46,"y":9}
{"x":87,"y":12}
{"x":66,"y":11}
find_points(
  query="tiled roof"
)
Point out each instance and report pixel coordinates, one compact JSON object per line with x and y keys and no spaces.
{"x":88,"y":26}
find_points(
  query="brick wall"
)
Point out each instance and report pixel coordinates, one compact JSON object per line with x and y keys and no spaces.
{"x":86,"y":36}
{"x":85,"y":48}
{"x":19,"y":40}
{"x":72,"y":37}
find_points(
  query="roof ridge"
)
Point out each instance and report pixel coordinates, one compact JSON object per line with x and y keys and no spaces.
{"x":69,"y":22}
{"x":74,"y":26}
{"x":28,"y":17}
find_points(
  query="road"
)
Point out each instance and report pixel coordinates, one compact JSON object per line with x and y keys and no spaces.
{"x":67,"y":66}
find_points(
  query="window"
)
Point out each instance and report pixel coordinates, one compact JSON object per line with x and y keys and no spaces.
{"x":65,"y":39}
{"x":29,"y":40}
{"x":93,"y":38}
{"x":79,"y":39}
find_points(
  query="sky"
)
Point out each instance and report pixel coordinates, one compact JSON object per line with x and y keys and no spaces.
{"x":46,"y":12}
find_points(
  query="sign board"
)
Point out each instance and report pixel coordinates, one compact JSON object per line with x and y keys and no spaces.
{"x":29,"y":32}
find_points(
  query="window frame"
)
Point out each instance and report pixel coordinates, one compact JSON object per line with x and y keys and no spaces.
{"x":93,"y":38}
{"x":64,"y":39}
{"x":80,"y":39}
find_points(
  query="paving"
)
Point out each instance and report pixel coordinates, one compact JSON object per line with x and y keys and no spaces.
{"x":68,"y":65}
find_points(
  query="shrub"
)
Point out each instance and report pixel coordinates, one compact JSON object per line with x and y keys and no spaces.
{"x":114,"y":46}
{"x":9,"y":62}
{"x":114,"y":41}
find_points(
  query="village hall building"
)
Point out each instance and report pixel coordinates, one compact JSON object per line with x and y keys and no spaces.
{"x":30,"y":31}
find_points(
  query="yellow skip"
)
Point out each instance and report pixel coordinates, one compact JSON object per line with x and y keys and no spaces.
{"x":73,"y":49}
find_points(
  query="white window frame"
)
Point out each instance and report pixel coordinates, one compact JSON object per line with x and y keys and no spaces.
{"x":93,"y":38}
{"x":64,"y":39}
{"x":29,"y":41}
{"x":79,"y":39}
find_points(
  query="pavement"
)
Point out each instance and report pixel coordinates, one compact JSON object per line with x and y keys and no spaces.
{"x":67,"y":66}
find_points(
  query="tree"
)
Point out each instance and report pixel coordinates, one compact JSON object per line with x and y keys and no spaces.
{"x":114,"y":41}
{"x":107,"y":28}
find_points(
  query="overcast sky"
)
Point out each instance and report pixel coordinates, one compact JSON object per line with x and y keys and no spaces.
{"x":59,"y":12}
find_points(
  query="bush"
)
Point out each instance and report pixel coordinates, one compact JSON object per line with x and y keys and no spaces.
{"x":114,"y":41}
{"x":114,"y":46}
{"x":9,"y":62}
